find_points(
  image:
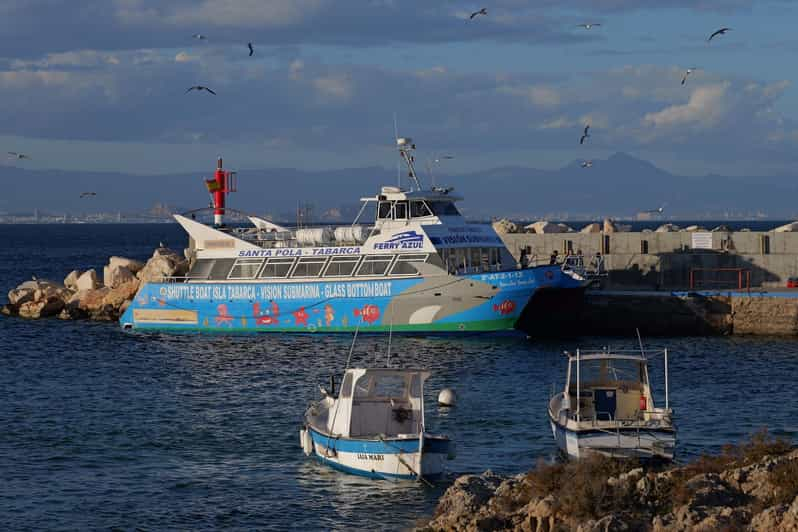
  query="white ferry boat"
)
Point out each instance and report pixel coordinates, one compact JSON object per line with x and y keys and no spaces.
{"x":419,"y":267}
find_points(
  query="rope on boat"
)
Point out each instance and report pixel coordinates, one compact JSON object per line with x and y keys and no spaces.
{"x":404,"y":463}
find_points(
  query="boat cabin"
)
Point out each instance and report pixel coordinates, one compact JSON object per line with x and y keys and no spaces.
{"x":376,"y":402}
{"x":609,"y":387}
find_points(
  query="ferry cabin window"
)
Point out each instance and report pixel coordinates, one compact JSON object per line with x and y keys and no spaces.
{"x":400,"y":210}
{"x":404,"y":264}
{"x":443,"y":208}
{"x":384,"y":210}
{"x":277,"y":268}
{"x":202,"y":269}
{"x":245,"y":269}
{"x":419,"y":209}
{"x":374,"y":265}
{"x":309,"y":267}
{"x":341,"y":266}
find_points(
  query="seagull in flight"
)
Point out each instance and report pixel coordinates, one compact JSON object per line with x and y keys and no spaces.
{"x":200,"y":37}
{"x":443,"y":157}
{"x":251,"y":49}
{"x":585,"y":134}
{"x":658,"y":210}
{"x":721,"y":31}
{"x":687,"y":73}
{"x":588,"y":25}
{"x":87,"y":194}
{"x":587,"y":164}
{"x":199,"y":88}
{"x":483,"y":11}
{"x":17,"y":155}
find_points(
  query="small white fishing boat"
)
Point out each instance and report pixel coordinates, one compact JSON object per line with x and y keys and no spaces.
{"x":607,"y":407}
{"x":374,"y":426}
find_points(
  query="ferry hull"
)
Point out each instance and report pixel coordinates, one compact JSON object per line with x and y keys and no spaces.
{"x":486,"y":302}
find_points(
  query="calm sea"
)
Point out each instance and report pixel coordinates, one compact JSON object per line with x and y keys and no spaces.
{"x":102,"y":429}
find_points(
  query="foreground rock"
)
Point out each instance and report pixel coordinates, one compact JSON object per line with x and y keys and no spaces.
{"x":82,"y":296}
{"x":752,"y":487}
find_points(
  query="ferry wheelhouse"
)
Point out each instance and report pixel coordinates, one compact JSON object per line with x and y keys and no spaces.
{"x":418,"y":267}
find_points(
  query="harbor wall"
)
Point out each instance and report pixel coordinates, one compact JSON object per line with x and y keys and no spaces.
{"x":656,"y":261}
{"x":605,"y":312}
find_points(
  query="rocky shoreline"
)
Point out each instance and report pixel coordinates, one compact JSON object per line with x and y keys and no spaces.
{"x":750,"y":487}
{"x":83,"y":296}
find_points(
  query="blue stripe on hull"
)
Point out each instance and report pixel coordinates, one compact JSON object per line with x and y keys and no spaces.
{"x":388,"y":446}
{"x":364,"y":473}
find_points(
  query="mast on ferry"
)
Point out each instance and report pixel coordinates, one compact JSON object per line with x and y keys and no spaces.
{"x":406,"y":149}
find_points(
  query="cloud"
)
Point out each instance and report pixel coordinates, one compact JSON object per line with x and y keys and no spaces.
{"x":334,"y":87}
{"x":705,"y":108}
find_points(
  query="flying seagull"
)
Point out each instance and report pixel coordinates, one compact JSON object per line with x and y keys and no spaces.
{"x":483,"y":11}
{"x":443,"y":157}
{"x":200,"y":37}
{"x":658,"y":210}
{"x":87,"y":194}
{"x":199,"y":88}
{"x":587,"y":164}
{"x":687,"y":73}
{"x":588,"y":25}
{"x":16,"y":155}
{"x":585,"y":134}
{"x":721,"y":31}
{"x":251,"y":49}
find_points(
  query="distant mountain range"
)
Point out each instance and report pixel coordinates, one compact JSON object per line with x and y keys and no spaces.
{"x":618,"y":186}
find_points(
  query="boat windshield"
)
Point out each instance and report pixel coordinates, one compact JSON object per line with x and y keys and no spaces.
{"x":443,"y":208}
{"x":608,"y":371}
{"x":389,"y":386}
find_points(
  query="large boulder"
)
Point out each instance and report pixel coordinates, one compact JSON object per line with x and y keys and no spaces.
{"x":87,"y":281}
{"x":23,"y":293}
{"x":123,"y":262}
{"x":787,"y":228}
{"x":591,"y":228}
{"x":504,"y":226}
{"x":41,"y":308}
{"x":608,"y":226}
{"x":164,"y":263}
{"x":71,"y":280}
{"x":119,"y":295}
{"x":115,"y":275}
{"x":543,"y":227}
{"x":667,"y":228}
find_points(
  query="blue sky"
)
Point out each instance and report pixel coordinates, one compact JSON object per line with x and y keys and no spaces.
{"x":99,"y":85}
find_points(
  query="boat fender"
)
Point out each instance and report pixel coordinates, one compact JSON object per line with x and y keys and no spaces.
{"x":642,"y":402}
{"x":307,"y":441}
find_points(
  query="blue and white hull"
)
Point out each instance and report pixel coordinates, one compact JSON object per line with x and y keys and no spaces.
{"x":620,"y":442}
{"x":387,"y":458}
{"x":485,"y":302}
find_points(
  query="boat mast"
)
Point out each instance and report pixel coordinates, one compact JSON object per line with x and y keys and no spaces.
{"x":406,"y":147}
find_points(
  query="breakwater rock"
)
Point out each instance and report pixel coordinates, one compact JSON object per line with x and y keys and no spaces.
{"x":750,"y":487}
{"x":83,"y":296}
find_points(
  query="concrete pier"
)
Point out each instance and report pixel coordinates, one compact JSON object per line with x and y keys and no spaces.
{"x":656,"y":261}
{"x":670,"y":284}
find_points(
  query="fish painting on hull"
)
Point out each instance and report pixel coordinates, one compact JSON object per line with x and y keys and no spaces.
{"x":369,"y":313}
{"x":329,"y":315}
{"x":505,"y":307}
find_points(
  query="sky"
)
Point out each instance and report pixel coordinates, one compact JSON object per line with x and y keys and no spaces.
{"x":100,"y":84}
